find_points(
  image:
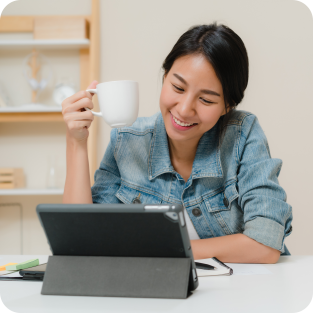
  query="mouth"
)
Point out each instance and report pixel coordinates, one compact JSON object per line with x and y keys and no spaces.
{"x":178,"y":124}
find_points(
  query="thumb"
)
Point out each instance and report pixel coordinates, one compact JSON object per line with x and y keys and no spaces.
{"x":93,"y":85}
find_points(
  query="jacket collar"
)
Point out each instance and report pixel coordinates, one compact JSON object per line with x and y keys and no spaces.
{"x":207,"y":162}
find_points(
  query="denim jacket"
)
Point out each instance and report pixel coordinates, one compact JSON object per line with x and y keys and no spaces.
{"x":233,"y":187}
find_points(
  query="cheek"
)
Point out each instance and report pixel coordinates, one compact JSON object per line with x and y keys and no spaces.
{"x":167,"y":97}
{"x":210,"y":115}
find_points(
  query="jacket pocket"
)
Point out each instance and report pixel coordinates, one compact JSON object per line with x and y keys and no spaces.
{"x":226,"y":213}
{"x":130,"y":195}
{"x":222,"y":200}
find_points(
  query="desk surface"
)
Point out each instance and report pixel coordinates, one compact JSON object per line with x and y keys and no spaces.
{"x":288,"y":288}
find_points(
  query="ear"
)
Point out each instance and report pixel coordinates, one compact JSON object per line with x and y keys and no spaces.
{"x":225,"y":110}
{"x":164,"y":77}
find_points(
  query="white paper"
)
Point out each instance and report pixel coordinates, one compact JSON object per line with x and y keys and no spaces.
{"x":14,"y":274}
{"x":238,"y":269}
{"x":220,"y":270}
{"x":248,"y":269}
{"x":5,"y":272}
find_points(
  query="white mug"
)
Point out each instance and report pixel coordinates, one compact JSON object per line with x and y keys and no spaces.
{"x":118,"y":102}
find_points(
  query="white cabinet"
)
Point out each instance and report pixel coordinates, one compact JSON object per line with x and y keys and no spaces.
{"x":11,"y":229}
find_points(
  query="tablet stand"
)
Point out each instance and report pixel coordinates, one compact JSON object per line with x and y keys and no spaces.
{"x":101,"y":276}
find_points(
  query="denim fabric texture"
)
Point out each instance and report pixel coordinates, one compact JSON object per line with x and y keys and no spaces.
{"x":233,"y":187}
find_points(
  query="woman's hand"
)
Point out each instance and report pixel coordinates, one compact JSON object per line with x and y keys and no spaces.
{"x":77,"y":119}
{"x":237,"y":248}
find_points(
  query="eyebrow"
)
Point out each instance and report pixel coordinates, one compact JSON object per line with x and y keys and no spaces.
{"x":206,"y":91}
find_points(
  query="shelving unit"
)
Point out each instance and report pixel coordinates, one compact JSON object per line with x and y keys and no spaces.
{"x":45,"y":44}
{"x":30,"y":192}
{"x":31,"y":108}
{"x":89,"y":57}
{"x":20,"y":230}
{"x":26,"y":114}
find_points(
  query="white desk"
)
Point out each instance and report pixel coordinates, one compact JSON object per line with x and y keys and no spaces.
{"x":288,"y":289}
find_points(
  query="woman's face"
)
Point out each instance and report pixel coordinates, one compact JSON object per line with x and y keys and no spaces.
{"x":191,"y":100}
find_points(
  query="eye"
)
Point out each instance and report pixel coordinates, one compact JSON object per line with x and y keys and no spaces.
{"x":206,"y":101}
{"x":178,"y":88}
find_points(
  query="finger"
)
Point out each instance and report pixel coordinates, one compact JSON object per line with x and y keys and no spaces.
{"x":78,"y":125}
{"x":77,"y":96}
{"x":93,"y":85}
{"x":78,"y":116}
{"x":78,"y":106}
{"x":82,"y":124}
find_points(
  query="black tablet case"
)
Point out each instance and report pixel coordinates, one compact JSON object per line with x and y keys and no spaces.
{"x":117,"y":277}
{"x":84,"y":264}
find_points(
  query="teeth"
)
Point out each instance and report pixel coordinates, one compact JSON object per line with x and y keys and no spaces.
{"x":180,"y":123}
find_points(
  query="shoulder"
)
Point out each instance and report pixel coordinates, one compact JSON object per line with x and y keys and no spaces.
{"x":135,"y":136}
{"x":142,"y":125}
{"x":239,"y":117}
{"x":132,"y":146}
{"x":245,"y":120}
{"x":247,"y":125}
{"x":250,"y":129}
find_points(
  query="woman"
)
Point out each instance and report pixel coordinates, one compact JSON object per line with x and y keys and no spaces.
{"x":199,"y":151}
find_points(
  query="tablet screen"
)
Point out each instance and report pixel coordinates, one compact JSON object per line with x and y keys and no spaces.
{"x":115,"y":233}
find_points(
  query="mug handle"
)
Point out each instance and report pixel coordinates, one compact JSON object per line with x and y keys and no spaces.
{"x":94,"y":113}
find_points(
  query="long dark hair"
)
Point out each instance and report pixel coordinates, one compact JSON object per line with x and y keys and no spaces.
{"x":226,"y":52}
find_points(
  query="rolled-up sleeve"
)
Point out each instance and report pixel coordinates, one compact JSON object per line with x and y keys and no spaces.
{"x":107,"y":176}
{"x":267,"y":215}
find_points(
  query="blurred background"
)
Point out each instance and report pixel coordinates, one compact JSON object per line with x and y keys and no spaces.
{"x":129,"y":40}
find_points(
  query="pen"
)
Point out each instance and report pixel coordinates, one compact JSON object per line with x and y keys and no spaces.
{"x":203,"y":266}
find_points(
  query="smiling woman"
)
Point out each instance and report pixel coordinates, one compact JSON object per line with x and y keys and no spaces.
{"x":199,"y":88}
{"x":219,"y":56}
{"x":199,"y":151}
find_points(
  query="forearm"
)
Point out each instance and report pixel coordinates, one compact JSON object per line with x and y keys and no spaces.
{"x":77,"y":187}
{"x":236,"y":248}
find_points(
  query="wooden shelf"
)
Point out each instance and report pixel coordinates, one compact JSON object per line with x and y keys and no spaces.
{"x":45,"y":44}
{"x":31,"y":117}
{"x":31,"y":107}
{"x":31,"y":192}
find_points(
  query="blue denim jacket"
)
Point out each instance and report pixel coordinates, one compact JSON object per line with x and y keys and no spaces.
{"x":233,"y":187}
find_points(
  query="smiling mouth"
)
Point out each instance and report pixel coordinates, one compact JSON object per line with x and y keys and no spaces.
{"x":180,"y":123}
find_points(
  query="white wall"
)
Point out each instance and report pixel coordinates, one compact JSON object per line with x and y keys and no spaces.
{"x":137,"y":35}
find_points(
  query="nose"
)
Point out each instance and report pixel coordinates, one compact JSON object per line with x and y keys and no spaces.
{"x":186,"y":108}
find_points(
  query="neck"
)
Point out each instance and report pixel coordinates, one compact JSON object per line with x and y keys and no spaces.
{"x":182,"y":152}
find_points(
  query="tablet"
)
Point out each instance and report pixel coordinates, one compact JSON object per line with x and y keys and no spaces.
{"x":34,"y":273}
{"x":129,"y":230}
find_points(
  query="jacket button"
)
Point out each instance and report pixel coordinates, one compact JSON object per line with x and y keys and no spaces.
{"x":225,"y":201}
{"x":196,"y":212}
{"x":136,"y":201}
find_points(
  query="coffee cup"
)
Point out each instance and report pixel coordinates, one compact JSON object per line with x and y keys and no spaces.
{"x":118,"y":102}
